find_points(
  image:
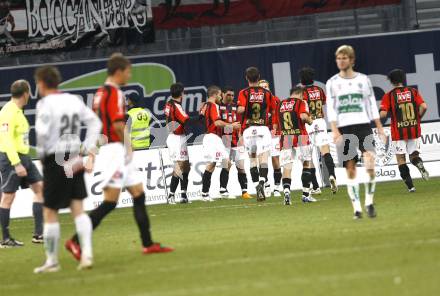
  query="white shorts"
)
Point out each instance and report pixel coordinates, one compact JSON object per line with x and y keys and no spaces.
{"x":116,"y":173}
{"x":178,"y":151}
{"x":407,"y":146}
{"x":213,"y":148}
{"x":236,"y":154}
{"x":318,"y":132}
{"x":302,"y":153}
{"x":257,"y":139}
{"x":275,"y":148}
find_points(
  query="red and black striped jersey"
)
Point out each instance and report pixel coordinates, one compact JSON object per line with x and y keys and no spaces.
{"x":292,"y":127}
{"x":258,"y":103}
{"x":403,"y":104}
{"x":212,"y":114}
{"x":109,"y":105}
{"x":274,"y":119}
{"x":316,"y":99}
{"x":228,"y":113}
{"x":176,"y":117}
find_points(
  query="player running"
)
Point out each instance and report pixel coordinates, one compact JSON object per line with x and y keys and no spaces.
{"x":292,"y":114}
{"x":233,"y":144}
{"x":115,"y":158}
{"x":16,"y":167}
{"x":213,"y":148}
{"x":407,"y":108}
{"x":315,"y":98}
{"x":176,"y":142}
{"x":351,"y":106}
{"x":275,"y":148}
{"x":255,"y":103}
{"x":58,"y":131}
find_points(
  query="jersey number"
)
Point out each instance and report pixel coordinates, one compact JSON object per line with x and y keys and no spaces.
{"x":316,"y":107}
{"x":256,"y":111}
{"x":287,"y":122}
{"x":69,"y":124}
{"x":407,"y":111}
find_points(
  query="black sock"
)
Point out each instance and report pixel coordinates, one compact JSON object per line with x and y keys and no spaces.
{"x":277,"y":175}
{"x":184,"y":182}
{"x":314,"y":180}
{"x":224,"y":178}
{"x":174,"y":183}
{"x":306,"y":179}
{"x":98,"y":214}
{"x":242,"y":179}
{"x":255,"y":175}
{"x":37,"y":211}
{"x":406,"y":176}
{"x":263,"y":173}
{"x":206,"y":182}
{"x":417,"y":161}
{"x":142,"y":220}
{"x":4,"y":220}
{"x":328,"y":159}
{"x":286,"y":183}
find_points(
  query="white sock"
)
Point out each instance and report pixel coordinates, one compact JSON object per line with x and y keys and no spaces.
{"x":84,"y":229}
{"x":370,"y":187}
{"x":306,"y":192}
{"x":51,"y":236}
{"x":353,"y":193}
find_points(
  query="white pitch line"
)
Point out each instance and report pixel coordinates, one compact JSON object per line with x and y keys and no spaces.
{"x":185,"y":266}
{"x":272,"y":283}
{"x":302,"y":254}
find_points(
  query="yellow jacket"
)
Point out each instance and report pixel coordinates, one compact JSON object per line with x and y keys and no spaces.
{"x":14,"y":132}
{"x":140,"y":128}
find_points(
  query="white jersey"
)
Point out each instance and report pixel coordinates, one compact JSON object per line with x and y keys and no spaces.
{"x":58,"y":124}
{"x":351,"y":101}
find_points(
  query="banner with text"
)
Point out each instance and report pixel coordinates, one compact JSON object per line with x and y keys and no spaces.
{"x":38,"y":25}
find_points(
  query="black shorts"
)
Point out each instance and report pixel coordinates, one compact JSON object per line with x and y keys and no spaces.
{"x":359,"y":136}
{"x":9,"y":181}
{"x":58,"y":190}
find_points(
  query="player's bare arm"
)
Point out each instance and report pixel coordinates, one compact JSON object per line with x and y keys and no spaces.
{"x":422,"y":109}
{"x":306,"y":118}
{"x":119,"y":127}
{"x":223,"y":124}
{"x":380,"y":130}
{"x":336,"y":132}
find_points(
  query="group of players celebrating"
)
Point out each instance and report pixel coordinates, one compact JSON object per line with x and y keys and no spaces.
{"x":258,"y":124}
{"x":263,"y":126}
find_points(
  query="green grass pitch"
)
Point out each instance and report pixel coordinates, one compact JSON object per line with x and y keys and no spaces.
{"x":243,"y":247}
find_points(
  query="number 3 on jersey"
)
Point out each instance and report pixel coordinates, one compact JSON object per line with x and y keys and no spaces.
{"x":256,"y":112}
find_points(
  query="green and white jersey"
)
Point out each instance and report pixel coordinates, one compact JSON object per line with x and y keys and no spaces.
{"x":351,"y":101}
